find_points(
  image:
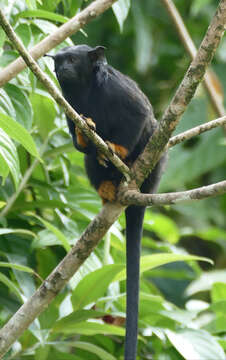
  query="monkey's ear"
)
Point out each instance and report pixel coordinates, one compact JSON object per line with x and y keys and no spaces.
{"x":48,"y":55}
{"x":97,"y":54}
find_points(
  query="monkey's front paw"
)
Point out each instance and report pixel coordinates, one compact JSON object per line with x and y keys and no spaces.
{"x":89,"y":122}
{"x":107,"y":191}
{"x":119,"y":150}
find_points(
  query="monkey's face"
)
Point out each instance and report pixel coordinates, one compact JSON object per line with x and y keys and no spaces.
{"x":72,"y":64}
{"x":75,"y":64}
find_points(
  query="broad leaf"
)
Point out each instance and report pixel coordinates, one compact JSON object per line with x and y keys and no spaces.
{"x":18,"y":133}
{"x":94,"y":285}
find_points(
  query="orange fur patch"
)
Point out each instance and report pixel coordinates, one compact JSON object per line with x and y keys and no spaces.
{"x":120,"y":150}
{"x":80,"y":138}
{"x":107,"y":191}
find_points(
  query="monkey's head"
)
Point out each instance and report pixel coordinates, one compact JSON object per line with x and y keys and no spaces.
{"x":76,"y":64}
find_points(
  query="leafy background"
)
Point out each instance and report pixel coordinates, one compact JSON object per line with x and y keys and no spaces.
{"x":46,"y":200}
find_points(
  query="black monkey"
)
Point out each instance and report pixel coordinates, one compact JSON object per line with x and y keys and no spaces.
{"x":122,"y":115}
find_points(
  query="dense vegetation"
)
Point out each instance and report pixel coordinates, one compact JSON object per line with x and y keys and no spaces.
{"x":47,"y":204}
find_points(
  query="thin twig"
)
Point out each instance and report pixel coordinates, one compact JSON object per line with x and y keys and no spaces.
{"x":196,"y":131}
{"x":133,"y":197}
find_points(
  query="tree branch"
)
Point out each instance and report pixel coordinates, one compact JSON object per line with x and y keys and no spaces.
{"x":71,"y":27}
{"x":133,"y":197}
{"x":191,"y":49}
{"x":196,"y":131}
{"x":70,"y":112}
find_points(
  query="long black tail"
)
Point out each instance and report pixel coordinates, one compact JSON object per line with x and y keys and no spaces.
{"x":134,"y":225}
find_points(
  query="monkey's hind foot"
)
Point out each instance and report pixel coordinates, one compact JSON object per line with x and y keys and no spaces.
{"x":107,"y":191}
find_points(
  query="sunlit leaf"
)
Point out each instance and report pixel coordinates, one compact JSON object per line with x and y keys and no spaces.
{"x":19,"y":133}
{"x":196,"y":344}
{"x":149,"y":262}
{"x":92,"y":328}
{"x":8,"y":154}
{"x":43,"y":14}
{"x":121,"y":9}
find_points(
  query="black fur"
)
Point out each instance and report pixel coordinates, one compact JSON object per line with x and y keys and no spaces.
{"x":123,"y":116}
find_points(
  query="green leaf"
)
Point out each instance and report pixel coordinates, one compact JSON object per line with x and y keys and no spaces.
{"x":143,"y":38}
{"x":31,"y":4}
{"x":92,"y":328}
{"x":76,"y":317}
{"x":212,"y":234}
{"x":197,"y":5}
{"x":2,"y":37}
{"x":60,"y":236}
{"x":6,"y":105}
{"x":218,"y":292}
{"x":44,"y":112}
{"x":94,"y":285}
{"x":16,"y":231}
{"x":4,"y":169}
{"x":59,"y":355}
{"x":165,"y":228}
{"x":18,"y":133}
{"x":219,"y":307}
{"x":24,"y":33}
{"x":12,"y":287}
{"x":149,"y":262}
{"x":9,"y":157}
{"x":94,"y":349}
{"x":43,"y":14}
{"x":17,"y":267}
{"x":196,"y":162}
{"x":121,"y":10}
{"x":206,"y":281}
{"x":196,"y":344}
{"x":21,"y":104}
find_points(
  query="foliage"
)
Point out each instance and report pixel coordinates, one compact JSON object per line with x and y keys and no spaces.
{"x":50,"y":202}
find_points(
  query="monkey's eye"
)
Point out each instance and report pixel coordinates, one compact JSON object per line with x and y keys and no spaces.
{"x":70,"y":58}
